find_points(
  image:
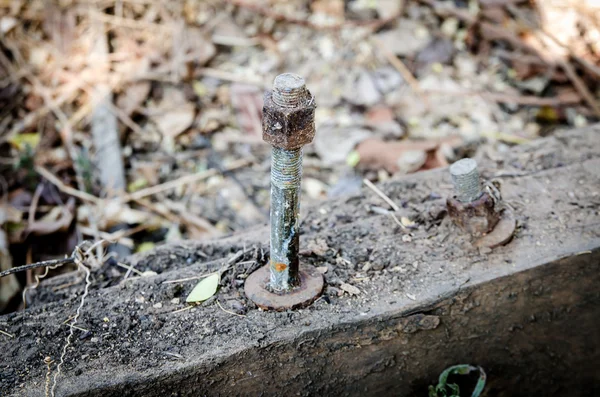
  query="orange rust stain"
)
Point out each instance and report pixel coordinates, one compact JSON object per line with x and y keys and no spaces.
{"x":280,"y":267}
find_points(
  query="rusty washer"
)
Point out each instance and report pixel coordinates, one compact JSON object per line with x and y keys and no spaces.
{"x":309,"y":288}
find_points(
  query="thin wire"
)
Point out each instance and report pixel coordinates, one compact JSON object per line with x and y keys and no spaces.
{"x":53,"y":262}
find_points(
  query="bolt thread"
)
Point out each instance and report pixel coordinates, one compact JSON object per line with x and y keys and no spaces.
{"x":286,"y":168}
{"x":465,"y":178}
{"x":289,"y":91}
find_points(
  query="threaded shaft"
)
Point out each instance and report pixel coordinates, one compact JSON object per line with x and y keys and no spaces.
{"x":286,"y":168}
{"x":286,"y":174}
{"x":289,"y":91}
{"x":465,"y":178}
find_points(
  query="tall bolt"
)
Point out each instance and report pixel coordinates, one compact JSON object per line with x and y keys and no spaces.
{"x":465,"y":178}
{"x":289,"y":92}
{"x":288,"y":124}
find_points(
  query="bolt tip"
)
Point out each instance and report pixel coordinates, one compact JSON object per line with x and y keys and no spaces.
{"x":463,"y":167}
{"x":289,"y":90}
{"x":288,"y":82}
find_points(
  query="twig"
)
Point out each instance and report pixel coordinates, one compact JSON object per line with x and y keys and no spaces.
{"x":187,"y":279}
{"x":77,"y":313}
{"x":7,"y":334}
{"x":562,"y":61}
{"x":381,"y":194}
{"x":192,"y":178}
{"x":48,"y":361}
{"x":129,"y":269}
{"x":228,"y":311}
{"x":580,"y":86}
{"x":395,"y":218}
{"x":403,"y":70}
{"x":34,"y":203}
{"x":191,"y":219}
{"x":372,"y":25}
{"x":67,"y":189}
{"x":115,"y":237}
{"x":507,"y":35}
{"x":234,"y":78}
{"x":183,"y":309}
{"x":528,"y":100}
{"x":51,"y":263}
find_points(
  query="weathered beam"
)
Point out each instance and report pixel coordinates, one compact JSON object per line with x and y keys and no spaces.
{"x":527,"y":312}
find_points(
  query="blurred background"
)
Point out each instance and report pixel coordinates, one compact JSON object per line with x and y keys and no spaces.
{"x":139,"y":121}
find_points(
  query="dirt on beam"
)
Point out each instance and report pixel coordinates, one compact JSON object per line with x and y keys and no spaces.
{"x":527,"y":312}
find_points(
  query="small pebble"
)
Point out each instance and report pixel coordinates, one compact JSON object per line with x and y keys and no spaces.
{"x":157,"y":305}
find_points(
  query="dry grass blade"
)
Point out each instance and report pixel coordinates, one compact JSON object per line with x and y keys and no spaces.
{"x":381,"y":194}
{"x":192,"y":178}
{"x":67,"y":189}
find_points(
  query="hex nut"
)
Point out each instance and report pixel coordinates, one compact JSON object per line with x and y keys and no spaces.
{"x":477,"y":217}
{"x":288,"y":128}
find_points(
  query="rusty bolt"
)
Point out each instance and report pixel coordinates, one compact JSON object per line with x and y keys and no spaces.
{"x":471,"y":209}
{"x":288,"y":124}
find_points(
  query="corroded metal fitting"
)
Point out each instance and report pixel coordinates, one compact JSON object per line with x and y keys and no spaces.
{"x":289,"y":113}
{"x":478,"y":212}
{"x":476,"y":217}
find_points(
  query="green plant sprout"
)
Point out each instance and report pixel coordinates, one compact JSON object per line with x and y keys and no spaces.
{"x":445,"y":389}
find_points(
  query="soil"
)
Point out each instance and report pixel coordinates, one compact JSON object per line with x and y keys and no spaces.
{"x":141,"y":327}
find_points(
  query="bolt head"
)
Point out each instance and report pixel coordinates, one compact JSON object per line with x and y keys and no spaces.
{"x":477,"y":217}
{"x":288,"y":128}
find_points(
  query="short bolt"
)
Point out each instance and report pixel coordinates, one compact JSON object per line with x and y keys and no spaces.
{"x":289,"y":92}
{"x":465,"y":178}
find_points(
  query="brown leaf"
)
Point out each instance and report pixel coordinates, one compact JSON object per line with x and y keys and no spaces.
{"x":403,"y":156}
{"x":174,"y":114}
{"x":334,"y":8}
{"x":133,"y":96}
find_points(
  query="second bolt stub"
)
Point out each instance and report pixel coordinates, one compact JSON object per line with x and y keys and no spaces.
{"x":310,"y":287}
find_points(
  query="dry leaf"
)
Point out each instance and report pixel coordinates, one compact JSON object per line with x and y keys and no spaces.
{"x":408,"y":38}
{"x":174,"y":114}
{"x":403,"y":156}
{"x":333,"y":8}
{"x":133,"y":96}
{"x":333,"y":144}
